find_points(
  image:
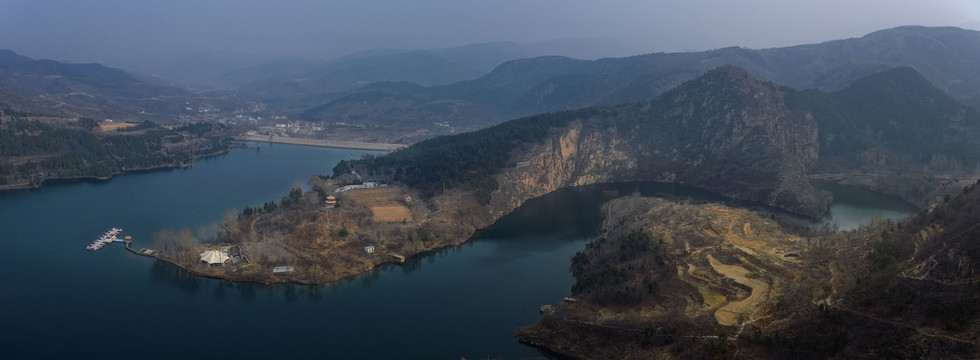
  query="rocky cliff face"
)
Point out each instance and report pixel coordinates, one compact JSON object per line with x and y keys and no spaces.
{"x":576,"y":155}
{"x":726,"y":132}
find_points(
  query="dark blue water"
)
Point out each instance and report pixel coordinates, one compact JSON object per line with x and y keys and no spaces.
{"x":58,"y":300}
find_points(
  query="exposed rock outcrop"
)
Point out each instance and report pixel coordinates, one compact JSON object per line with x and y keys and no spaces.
{"x":726,"y":132}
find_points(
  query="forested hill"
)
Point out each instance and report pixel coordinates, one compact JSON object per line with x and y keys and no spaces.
{"x":34,"y":148}
{"x":726,"y":131}
{"x":893,"y":132}
{"x":896,"y":110}
{"x":87,"y":90}
{"x":32,"y":76}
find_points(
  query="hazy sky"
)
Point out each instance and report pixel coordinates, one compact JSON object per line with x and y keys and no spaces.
{"x":109,"y":30}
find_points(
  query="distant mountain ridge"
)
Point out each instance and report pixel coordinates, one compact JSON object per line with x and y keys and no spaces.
{"x":946,"y":56}
{"x":51,"y":77}
{"x":94,"y":90}
{"x":424,"y":67}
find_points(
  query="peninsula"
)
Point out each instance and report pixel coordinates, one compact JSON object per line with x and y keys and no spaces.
{"x":36,"y":148}
{"x":726,"y":132}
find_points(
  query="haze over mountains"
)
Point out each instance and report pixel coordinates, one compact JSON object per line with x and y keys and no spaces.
{"x":945,"y":56}
{"x":94,"y":90}
{"x":418,"y":89}
{"x":225,"y":70}
{"x":894,"y":111}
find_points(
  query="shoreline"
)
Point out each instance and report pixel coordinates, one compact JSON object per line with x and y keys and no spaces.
{"x":337,"y":144}
{"x":196,"y":272}
{"x":28,"y":186}
{"x":474,"y":225}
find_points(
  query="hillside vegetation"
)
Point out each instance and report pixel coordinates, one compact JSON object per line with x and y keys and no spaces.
{"x":35,"y":148}
{"x":90,"y":90}
{"x":676,"y":280}
{"x":897,"y":110}
{"x":728,"y":128}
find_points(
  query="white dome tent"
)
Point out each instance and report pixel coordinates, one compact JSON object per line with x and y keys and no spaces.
{"x":214,"y":257}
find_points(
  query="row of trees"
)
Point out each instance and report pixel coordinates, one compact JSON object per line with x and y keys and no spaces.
{"x":178,"y":244}
{"x":295,"y":198}
{"x":267,"y":207}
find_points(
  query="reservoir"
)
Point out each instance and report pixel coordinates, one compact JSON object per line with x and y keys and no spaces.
{"x":60,"y":301}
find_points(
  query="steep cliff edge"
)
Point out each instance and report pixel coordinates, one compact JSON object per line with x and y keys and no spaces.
{"x":726,"y":132}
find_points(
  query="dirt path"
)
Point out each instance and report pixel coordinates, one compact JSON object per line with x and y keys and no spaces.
{"x":728,"y":314}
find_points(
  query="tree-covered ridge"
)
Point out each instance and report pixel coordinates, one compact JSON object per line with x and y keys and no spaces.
{"x":898,"y":110}
{"x":696,"y":120}
{"x":31,"y":148}
{"x":942,"y":237}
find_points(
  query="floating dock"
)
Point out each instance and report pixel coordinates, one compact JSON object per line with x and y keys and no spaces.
{"x":105,"y":239}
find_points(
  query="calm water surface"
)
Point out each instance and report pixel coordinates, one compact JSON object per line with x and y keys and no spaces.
{"x":854,"y":207}
{"x":60,"y":301}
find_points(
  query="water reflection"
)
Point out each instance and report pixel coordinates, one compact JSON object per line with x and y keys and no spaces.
{"x":246,"y":292}
{"x":415,"y":263}
{"x":219,"y":291}
{"x":576,"y":212}
{"x":170,"y":274}
{"x":314,"y":293}
{"x":289,"y":293}
{"x":369,"y":277}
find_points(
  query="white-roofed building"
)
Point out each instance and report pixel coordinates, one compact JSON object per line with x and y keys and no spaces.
{"x":214,"y":257}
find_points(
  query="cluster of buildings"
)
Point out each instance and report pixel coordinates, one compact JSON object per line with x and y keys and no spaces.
{"x":946,"y":180}
{"x":365,"y":185}
{"x":292,"y":128}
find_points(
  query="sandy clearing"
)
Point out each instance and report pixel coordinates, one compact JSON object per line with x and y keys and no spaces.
{"x":393,"y":213}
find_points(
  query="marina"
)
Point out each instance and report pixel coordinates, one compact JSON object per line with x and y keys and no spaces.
{"x":109,"y":237}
